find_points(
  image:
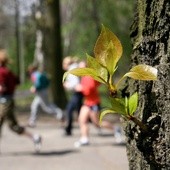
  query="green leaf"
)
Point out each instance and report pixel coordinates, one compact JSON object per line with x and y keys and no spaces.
{"x":100,"y":70}
{"x":118,"y":105}
{"x":108,"y":49}
{"x":65,"y":75}
{"x":142,"y":72}
{"x":87,"y":72}
{"x":133,"y":103}
{"x":126,"y":105}
{"x":111,"y":58}
{"x":104,"y":112}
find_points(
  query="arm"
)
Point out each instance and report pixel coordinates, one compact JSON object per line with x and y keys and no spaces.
{"x":2,"y":88}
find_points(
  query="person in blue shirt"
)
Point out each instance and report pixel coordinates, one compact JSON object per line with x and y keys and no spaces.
{"x":40,"y":88}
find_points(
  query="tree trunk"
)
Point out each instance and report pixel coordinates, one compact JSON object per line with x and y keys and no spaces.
{"x":18,"y":38}
{"x":95,"y":15}
{"x":54,"y":51}
{"x":151,"y":45}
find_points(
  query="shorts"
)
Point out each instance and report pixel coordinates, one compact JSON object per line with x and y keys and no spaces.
{"x":95,"y":108}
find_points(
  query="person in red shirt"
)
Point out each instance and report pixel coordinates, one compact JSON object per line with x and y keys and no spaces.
{"x":90,"y":109}
{"x":8,"y":83}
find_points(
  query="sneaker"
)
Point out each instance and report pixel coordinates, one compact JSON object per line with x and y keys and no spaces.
{"x":119,"y":137}
{"x":81,"y":142}
{"x":67,"y":133}
{"x":59,"y":114}
{"x":31,"y":124}
{"x":37,"y":142}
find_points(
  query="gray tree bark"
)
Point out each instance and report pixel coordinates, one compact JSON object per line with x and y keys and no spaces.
{"x":151,"y":45}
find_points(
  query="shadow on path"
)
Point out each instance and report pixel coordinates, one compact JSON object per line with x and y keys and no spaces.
{"x":42,"y":153}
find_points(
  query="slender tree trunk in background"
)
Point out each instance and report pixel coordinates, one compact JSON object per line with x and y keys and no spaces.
{"x":151,"y":45}
{"x":18,"y":42}
{"x":39,"y":57}
{"x":95,"y":15}
{"x":54,"y":51}
{"x":38,"y":54}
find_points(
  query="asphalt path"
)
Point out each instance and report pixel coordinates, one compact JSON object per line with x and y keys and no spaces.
{"x":58,"y":152}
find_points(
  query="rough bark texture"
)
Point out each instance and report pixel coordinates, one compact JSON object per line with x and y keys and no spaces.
{"x":151,"y":45}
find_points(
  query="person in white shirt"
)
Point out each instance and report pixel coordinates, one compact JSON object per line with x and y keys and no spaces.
{"x":75,"y":102}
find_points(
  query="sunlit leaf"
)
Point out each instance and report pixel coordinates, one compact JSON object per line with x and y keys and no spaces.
{"x":92,"y":62}
{"x":100,"y":70}
{"x":65,"y":75}
{"x":111,"y":58}
{"x":87,"y":72}
{"x":118,"y":105}
{"x":126,"y":105}
{"x":104,"y":112}
{"x":142,"y":72}
{"x":107,"y":41}
{"x":133,"y":103}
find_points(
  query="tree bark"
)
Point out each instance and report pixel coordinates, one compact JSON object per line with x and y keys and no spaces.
{"x":151,"y":45}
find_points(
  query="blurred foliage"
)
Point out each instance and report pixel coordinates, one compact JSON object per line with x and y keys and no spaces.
{"x":81,"y":22}
{"x":80,"y":30}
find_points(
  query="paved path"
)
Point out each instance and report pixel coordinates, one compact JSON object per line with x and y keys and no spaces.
{"x":58,"y":152}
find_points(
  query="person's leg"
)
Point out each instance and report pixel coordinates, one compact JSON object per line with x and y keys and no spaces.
{"x":44,"y":102}
{"x":70,"y":108}
{"x":84,"y":128}
{"x":57,"y":111}
{"x":2,"y":116}
{"x":94,"y":116}
{"x":79,"y":101}
{"x":116,"y":130}
{"x":15,"y":127}
{"x":48,"y":107}
{"x":34,"y":110}
{"x":69,"y":118}
{"x":83,"y":123}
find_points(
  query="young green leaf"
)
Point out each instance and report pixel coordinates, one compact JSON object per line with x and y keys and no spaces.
{"x":111,"y":58}
{"x":142,"y":72}
{"x":65,"y":75}
{"x":104,"y":112}
{"x":133,"y":103}
{"x":118,"y":105}
{"x":126,"y":105}
{"x":100,"y":70}
{"x":106,"y":41}
{"x":86,"y":72}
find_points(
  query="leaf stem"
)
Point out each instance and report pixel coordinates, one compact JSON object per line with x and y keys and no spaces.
{"x":139,"y":123}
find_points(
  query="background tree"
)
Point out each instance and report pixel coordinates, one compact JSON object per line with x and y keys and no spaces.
{"x":17,"y":34}
{"x":53,"y":45}
{"x":151,"y":45}
{"x":18,"y":39}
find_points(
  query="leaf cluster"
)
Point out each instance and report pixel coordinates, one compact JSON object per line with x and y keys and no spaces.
{"x":107,"y":52}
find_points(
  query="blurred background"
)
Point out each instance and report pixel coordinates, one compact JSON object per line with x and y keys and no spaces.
{"x":44,"y":32}
{"x":25,"y":31}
